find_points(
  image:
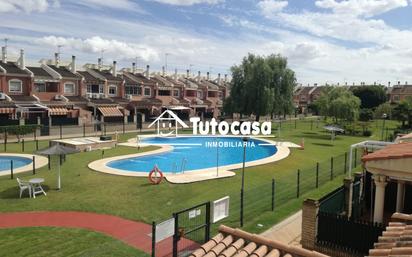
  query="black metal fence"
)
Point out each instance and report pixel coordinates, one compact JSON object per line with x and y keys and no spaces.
{"x":351,"y":236}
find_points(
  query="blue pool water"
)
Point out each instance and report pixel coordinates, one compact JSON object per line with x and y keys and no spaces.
{"x":17,"y":162}
{"x":193,"y":153}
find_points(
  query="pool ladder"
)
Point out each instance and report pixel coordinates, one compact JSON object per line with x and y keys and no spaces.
{"x":184,"y":161}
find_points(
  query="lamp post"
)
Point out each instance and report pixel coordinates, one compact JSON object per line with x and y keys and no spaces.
{"x":383,"y":124}
{"x":245,"y":139}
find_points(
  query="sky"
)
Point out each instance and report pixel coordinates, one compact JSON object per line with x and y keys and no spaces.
{"x":325,"y":41}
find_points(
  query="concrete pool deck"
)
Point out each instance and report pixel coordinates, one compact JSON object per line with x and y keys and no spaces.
{"x":194,"y":175}
{"x":40,"y":162}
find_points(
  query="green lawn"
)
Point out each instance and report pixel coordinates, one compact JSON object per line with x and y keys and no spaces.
{"x":134,"y":198}
{"x":53,"y":242}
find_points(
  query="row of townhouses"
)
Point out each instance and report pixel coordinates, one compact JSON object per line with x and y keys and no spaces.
{"x":304,"y":96}
{"x":61,"y":94}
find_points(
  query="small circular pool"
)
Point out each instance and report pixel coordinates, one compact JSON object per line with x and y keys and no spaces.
{"x":18,"y":161}
{"x":193,"y":153}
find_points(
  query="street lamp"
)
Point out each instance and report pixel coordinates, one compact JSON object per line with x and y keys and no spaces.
{"x":245,"y":140}
{"x":383,"y":124}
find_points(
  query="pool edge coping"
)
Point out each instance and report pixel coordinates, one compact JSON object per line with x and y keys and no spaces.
{"x":41,"y":161}
{"x":194,"y":175}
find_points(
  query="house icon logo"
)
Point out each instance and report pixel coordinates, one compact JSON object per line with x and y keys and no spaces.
{"x":165,"y":120}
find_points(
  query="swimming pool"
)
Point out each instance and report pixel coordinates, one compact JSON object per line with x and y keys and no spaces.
{"x":195,"y":153}
{"x":18,"y":161}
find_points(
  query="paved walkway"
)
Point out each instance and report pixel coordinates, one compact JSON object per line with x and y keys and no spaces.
{"x":288,"y":231}
{"x":136,"y":234}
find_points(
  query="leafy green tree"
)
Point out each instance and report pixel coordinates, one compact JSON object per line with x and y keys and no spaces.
{"x":382,"y":109}
{"x":260,"y":86}
{"x":338,"y":103}
{"x":403,"y":113}
{"x":370,"y":96}
{"x":365,"y":115}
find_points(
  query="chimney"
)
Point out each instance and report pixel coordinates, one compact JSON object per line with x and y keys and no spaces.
{"x":406,"y":83}
{"x":4,"y":54}
{"x":389,"y":83}
{"x":148,"y":71}
{"x":134,"y":68}
{"x":399,"y":83}
{"x":198,"y":76}
{"x":187,"y":73}
{"x":225,"y":77}
{"x":73,"y":64}
{"x":99,"y":64}
{"x":163,"y":71}
{"x":218,"y":78}
{"x":175,"y":74}
{"x":57,"y":59}
{"x":208,"y":76}
{"x":21,"y":61}
{"x":114,"y":69}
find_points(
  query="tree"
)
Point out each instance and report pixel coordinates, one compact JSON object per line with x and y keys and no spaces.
{"x":338,"y":103}
{"x":382,"y":109}
{"x":403,"y":113}
{"x":365,"y":115}
{"x":370,"y":96}
{"x":260,"y":86}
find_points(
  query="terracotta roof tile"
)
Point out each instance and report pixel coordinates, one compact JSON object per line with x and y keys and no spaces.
{"x":395,"y":151}
{"x":237,"y":243}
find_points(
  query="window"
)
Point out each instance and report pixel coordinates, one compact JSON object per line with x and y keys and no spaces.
{"x":113,"y":90}
{"x":89,"y":89}
{"x":39,"y":87}
{"x":164,"y":92}
{"x":15,"y":86}
{"x":69,"y":88}
{"x":199,"y":94}
{"x":101,"y":89}
{"x":176,"y":93}
{"x":147,"y":91}
{"x":133,"y":90}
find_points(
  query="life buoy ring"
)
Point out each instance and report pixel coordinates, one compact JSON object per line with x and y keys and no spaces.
{"x":155,"y":176}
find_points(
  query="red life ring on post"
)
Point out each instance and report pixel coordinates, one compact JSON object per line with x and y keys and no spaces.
{"x":155,"y":176}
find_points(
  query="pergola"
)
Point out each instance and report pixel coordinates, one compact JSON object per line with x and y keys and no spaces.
{"x":392,"y":163}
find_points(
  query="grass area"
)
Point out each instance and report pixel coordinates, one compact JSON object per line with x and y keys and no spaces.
{"x":135,"y":198}
{"x":59,"y":242}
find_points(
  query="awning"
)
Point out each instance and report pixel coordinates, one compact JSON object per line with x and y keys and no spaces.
{"x":58,"y":111}
{"x":110,"y":112}
{"x":6,"y":110}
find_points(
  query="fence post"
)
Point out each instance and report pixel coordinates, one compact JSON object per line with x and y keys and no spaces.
{"x":346,"y":160}
{"x":241,"y":207}
{"x":273,"y":194}
{"x":154,"y":239}
{"x":37,"y":144}
{"x":11,"y":169}
{"x":22,"y":145}
{"x":124,"y":127}
{"x":5,"y":140}
{"x":176,"y":234}
{"x":355,"y":159}
{"x":207,"y":228}
{"x":61,"y":132}
{"x":298,"y":184}
{"x":48,"y":161}
{"x":34,"y":165}
{"x":295,"y":123}
{"x":317,"y":174}
{"x":331,"y":168}
{"x":34,"y":134}
{"x":84,"y":129}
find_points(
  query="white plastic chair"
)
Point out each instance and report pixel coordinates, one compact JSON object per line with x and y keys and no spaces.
{"x":24,"y":185}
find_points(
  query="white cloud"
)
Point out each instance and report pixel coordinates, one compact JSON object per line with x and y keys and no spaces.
{"x":26,"y":5}
{"x":115,"y":4}
{"x":188,"y":2}
{"x":121,"y":50}
{"x":271,"y":7}
{"x":366,"y":8}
